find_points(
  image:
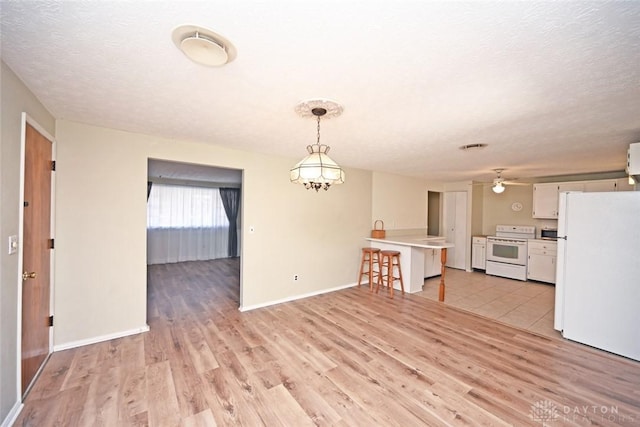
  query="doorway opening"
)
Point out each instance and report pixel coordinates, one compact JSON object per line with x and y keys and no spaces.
{"x":434,"y":208}
{"x":194,"y":216}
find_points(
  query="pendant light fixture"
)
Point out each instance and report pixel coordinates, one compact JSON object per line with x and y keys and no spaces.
{"x":318,"y":170}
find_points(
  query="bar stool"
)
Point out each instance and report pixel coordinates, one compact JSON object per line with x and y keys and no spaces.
{"x":370,"y":258}
{"x":389,"y":260}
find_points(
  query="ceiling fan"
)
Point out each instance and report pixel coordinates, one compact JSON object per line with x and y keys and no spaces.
{"x":499,"y":182}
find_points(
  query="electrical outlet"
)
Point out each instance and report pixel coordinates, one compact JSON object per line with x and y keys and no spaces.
{"x":295,"y":277}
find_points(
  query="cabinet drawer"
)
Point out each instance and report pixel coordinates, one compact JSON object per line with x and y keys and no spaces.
{"x":536,"y":251}
{"x":480,"y":240}
{"x":552,"y":246}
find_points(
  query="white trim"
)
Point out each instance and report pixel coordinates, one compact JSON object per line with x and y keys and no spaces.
{"x":94,"y":340}
{"x":297,"y":297}
{"x":23,"y":136}
{"x":37,"y":127}
{"x":12,"y":416}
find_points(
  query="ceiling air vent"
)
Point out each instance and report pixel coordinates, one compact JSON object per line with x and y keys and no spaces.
{"x":472,"y":146}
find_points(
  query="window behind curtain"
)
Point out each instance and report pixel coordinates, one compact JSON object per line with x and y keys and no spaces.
{"x":174,"y":206}
{"x":185,"y":224}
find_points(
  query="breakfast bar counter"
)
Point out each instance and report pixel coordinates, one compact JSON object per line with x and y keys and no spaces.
{"x":412,"y":257}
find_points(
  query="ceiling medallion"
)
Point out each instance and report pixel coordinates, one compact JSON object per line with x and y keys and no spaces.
{"x":305,"y":108}
{"x":317,"y":170}
{"x":203,"y":46}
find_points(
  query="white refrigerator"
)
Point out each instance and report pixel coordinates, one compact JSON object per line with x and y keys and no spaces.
{"x":598,"y":272}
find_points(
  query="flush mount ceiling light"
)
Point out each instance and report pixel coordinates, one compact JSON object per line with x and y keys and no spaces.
{"x":203,"y":46}
{"x":317,"y":170}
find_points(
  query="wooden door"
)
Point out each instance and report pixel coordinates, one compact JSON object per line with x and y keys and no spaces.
{"x":36,"y":255}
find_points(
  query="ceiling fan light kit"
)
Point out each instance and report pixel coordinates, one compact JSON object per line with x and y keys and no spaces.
{"x":203,"y":46}
{"x":498,"y":188}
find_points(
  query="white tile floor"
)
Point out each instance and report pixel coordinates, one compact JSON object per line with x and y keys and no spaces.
{"x":527,"y":305}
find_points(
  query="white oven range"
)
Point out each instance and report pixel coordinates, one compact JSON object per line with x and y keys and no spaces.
{"x":507,"y":251}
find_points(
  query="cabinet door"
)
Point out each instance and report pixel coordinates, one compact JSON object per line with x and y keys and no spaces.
{"x":545,"y":200}
{"x":478,"y":256}
{"x":542,"y":268}
{"x":622,"y":184}
{"x":571,"y":186}
{"x":601,"y":185}
{"x":428,"y":263}
{"x":431,"y":262}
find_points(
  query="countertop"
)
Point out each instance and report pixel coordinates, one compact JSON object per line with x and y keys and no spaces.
{"x":416,"y":241}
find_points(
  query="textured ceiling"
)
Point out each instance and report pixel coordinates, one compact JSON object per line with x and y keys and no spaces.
{"x":553,"y":88}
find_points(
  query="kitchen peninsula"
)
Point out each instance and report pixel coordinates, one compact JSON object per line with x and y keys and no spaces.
{"x":412,"y":257}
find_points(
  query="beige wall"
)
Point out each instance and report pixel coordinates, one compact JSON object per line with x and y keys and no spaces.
{"x":399,"y":201}
{"x":477,"y":207}
{"x":15,"y":99}
{"x":101,"y":228}
{"x":497,"y":209}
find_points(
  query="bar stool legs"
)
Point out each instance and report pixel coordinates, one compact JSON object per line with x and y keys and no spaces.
{"x":370,"y":259}
{"x":389,"y":260}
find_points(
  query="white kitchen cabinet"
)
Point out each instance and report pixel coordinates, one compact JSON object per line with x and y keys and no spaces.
{"x":432,"y":264}
{"x":479,"y":252}
{"x":545,"y":196}
{"x":622,"y":184}
{"x":541,"y":262}
{"x":545,"y":200}
{"x":600,"y":185}
{"x":571,"y":186}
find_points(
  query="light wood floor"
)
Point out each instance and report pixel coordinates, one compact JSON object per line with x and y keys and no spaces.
{"x":348,"y":358}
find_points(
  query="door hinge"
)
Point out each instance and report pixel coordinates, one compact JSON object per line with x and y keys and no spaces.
{"x":50,"y":320}
{"x":53,"y":165}
{"x":51,"y":243}
{"x":26,"y":203}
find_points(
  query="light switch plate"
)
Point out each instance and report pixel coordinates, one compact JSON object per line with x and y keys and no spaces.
{"x":13,"y":244}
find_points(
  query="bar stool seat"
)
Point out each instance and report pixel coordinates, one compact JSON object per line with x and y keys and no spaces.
{"x":389,"y":260}
{"x":370,"y":259}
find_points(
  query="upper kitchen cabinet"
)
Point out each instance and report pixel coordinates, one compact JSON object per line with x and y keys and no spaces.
{"x":545,"y":196}
{"x":601,"y":185}
{"x":545,"y":200}
{"x":622,"y":184}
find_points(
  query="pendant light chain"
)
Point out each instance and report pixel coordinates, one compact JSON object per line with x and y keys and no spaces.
{"x":318,"y":130}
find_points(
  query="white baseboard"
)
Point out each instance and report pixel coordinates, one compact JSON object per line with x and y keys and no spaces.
{"x":94,"y":340}
{"x":296,"y":297}
{"x":12,"y":415}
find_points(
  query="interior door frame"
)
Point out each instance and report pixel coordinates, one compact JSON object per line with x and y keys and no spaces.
{"x":26,"y":119}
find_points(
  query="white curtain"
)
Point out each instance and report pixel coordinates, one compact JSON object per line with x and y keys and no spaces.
{"x":185,"y":224}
